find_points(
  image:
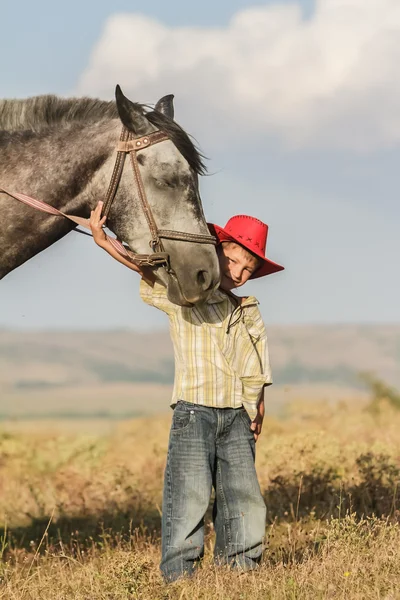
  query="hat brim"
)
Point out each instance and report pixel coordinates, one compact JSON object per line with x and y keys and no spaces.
{"x":267,"y":266}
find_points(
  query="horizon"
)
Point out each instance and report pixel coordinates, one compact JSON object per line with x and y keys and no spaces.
{"x":164,"y":330}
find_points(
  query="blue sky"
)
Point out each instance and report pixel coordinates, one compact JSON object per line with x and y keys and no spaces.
{"x":321,"y":167}
{"x":47,"y":43}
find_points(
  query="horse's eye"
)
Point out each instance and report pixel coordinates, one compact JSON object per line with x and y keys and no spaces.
{"x":165,"y":183}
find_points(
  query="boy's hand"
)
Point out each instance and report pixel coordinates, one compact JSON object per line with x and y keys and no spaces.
{"x":96,"y":224}
{"x":256,"y":425}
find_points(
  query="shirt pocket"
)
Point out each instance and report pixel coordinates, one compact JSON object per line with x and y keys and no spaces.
{"x":250,"y":329}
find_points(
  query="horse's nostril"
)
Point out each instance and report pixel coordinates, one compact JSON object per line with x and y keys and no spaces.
{"x":204,"y":280}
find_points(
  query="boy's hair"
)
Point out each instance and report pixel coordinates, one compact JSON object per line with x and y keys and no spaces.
{"x":247,"y":251}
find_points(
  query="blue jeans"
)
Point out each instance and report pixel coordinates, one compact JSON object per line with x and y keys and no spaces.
{"x":211,"y":447}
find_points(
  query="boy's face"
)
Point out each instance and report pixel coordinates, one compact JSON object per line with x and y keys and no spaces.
{"x":236,"y":265}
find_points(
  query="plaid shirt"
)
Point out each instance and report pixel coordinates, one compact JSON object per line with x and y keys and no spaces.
{"x":221,"y":352}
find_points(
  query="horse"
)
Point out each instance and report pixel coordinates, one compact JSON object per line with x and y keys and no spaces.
{"x":62,"y":152}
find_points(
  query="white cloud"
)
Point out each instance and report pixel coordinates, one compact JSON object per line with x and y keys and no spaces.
{"x":331,"y":81}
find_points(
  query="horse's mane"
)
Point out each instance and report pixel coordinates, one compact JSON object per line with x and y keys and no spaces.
{"x":39,"y":113}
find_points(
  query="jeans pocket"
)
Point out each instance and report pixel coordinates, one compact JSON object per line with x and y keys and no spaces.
{"x":182,"y":418}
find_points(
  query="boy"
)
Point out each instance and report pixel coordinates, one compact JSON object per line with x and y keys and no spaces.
{"x":221,"y":368}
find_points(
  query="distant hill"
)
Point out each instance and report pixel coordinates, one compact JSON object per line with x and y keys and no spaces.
{"x":39,"y":368}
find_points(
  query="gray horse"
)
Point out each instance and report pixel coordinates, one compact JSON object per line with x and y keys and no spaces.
{"x":62,"y":151}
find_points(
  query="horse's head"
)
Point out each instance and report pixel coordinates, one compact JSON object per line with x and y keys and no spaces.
{"x":169,"y":171}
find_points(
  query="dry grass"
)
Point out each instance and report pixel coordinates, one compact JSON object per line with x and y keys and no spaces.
{"x":81,"y":513}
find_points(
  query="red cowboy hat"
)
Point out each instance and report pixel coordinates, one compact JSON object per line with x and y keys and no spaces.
{"x":251,"y":234}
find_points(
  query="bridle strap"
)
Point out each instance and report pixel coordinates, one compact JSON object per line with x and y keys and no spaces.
{"x":140,"y":143}
{"x":155,"y":242}
{"x":183,"y":236}
{"x":116,"y":176}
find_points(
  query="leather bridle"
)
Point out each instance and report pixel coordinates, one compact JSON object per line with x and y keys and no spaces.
{"x":128,"y":145}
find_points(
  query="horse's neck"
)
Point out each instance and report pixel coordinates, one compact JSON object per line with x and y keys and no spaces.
{"x":65,"y":169}
{"x":58,"y":168}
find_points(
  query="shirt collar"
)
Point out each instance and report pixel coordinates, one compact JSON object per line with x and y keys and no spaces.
{"x":250,"y":301}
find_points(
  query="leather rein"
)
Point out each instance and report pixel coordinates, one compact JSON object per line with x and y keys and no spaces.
{"x":128,"y":144}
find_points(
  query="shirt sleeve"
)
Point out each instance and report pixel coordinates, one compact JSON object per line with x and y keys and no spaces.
{"x":262,"y":348}
{"x":261,"y":344}
{"x":156,"y":295}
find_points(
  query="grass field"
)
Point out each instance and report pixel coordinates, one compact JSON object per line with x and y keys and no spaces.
{"x":80,"y":510}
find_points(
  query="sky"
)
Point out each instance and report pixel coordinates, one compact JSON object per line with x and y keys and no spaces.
{"x":295,"y":103}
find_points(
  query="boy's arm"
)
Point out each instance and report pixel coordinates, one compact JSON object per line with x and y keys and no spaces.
{"x":99,"y":236}
{"x":262,"y":349}
{"x":256,"y":425}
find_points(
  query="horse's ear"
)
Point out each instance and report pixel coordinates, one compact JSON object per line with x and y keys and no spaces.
{"x":165,"y":105}
{"x":131,"y":114}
